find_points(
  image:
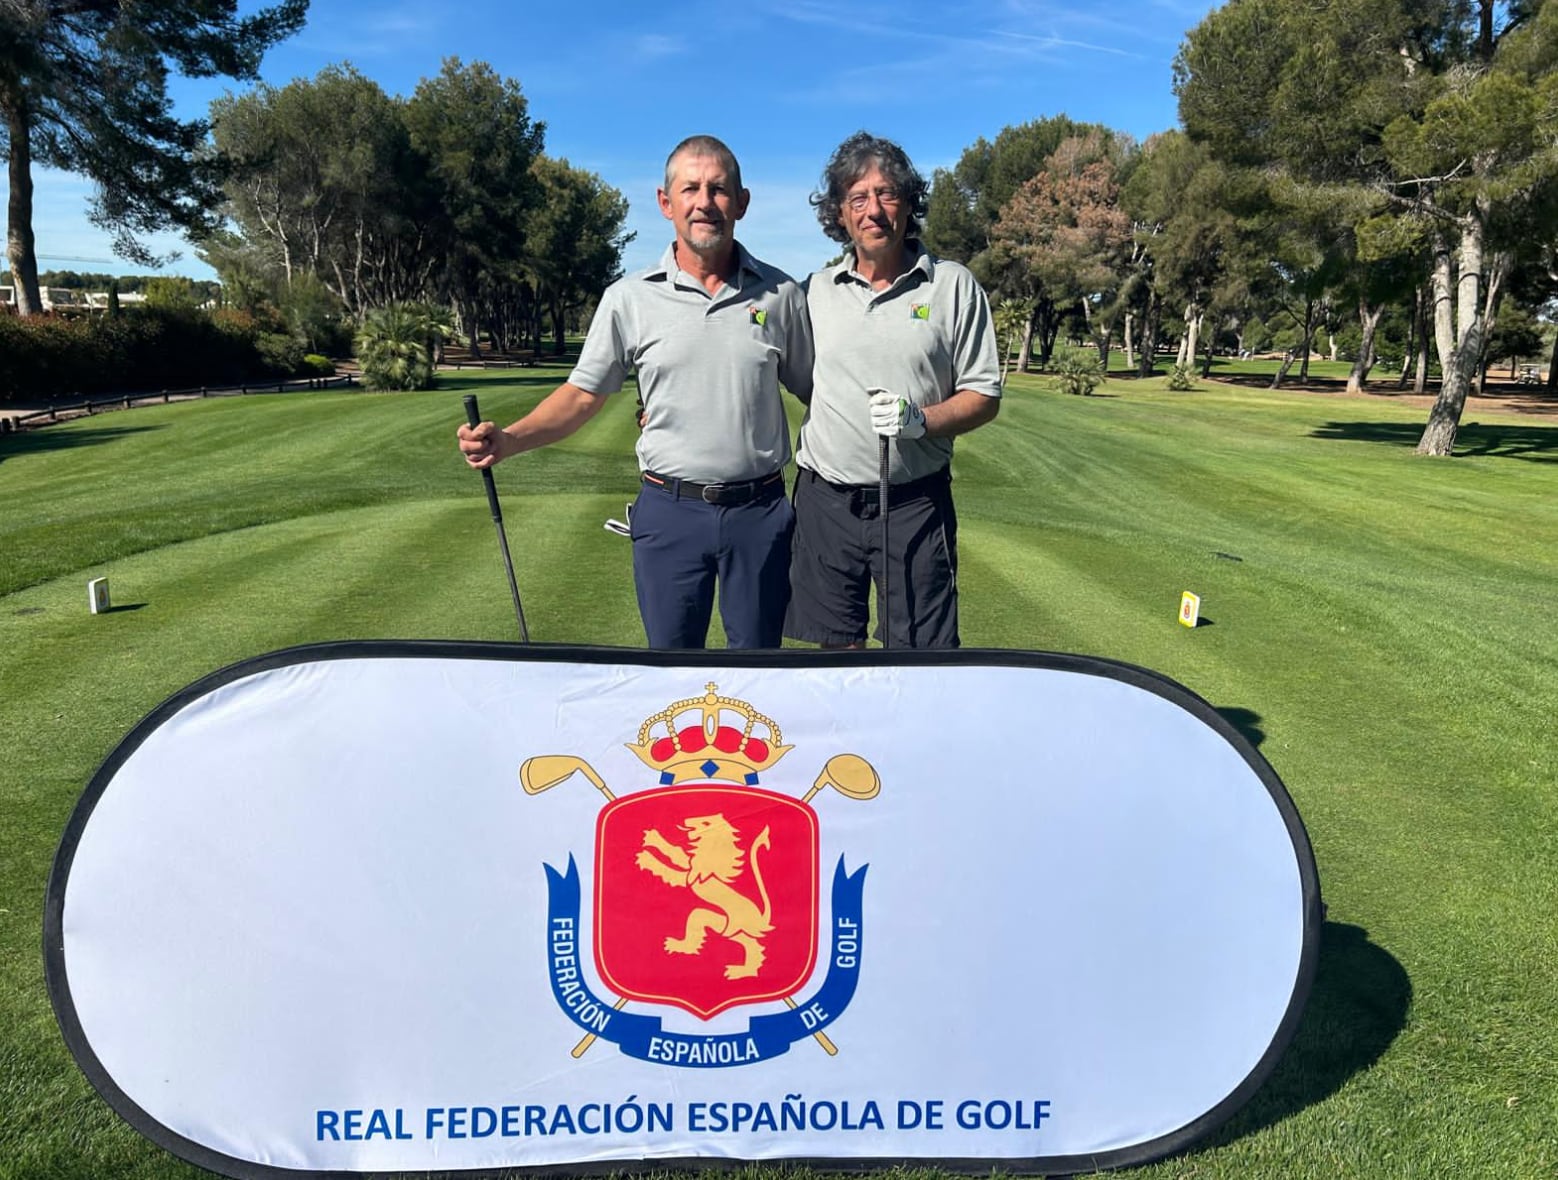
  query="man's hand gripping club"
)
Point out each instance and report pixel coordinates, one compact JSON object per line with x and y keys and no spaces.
{"x":895,"y":417}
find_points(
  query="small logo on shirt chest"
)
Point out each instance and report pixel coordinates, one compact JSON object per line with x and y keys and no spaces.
{"x":919,"y":311}
{"x":757,"y":315}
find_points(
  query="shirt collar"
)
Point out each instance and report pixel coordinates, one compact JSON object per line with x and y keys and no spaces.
{"x":922,"y":262}
{"x":667,"y":267}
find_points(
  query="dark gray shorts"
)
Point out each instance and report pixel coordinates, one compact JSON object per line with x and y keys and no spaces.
{"x":837,"y":555}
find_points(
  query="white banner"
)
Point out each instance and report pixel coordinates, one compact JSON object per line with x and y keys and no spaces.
{"x":385,"y":907}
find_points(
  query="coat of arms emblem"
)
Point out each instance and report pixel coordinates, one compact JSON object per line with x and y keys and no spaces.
{"x":706,"y":891}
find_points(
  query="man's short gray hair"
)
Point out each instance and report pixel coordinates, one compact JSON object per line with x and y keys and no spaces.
{"x":704,"y":145}
{"x":853,"y":159}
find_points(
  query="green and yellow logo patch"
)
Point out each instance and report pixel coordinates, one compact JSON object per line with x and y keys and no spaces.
{"x":919,"y":311}
{"x":757,"y":315}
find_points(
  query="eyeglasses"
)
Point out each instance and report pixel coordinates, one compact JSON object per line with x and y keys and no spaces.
{"x":888,"y":198}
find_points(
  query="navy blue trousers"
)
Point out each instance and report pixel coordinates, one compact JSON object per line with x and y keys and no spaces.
{"x":683,"y":547}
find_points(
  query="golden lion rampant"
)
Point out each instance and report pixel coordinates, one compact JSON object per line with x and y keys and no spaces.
{"x":708,"y":866}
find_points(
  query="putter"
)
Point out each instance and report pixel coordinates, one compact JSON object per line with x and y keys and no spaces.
{"x":881,"y":511}
{"x":473,"y":417}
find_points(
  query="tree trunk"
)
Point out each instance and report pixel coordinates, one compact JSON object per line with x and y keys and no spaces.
{"x":1309,"y":335}
{"x":1189,"y":344}
{"x":1130,"y":326}
{"x":1369,"y":322}
{"x":1206,"y":365}
{"x":1420,"y":365}
{"x":1461,"y":324}
{"x":1047,"y":333}
{"x":1552,"y":369}
{"x":1280,"y":376}
{"x":20,"y":249}
{"x":1414,"y":337}
{"x":1027,"y":344}
{"x":1147,"y":361}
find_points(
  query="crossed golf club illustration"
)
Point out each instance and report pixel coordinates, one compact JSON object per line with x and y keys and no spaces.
{"x":848,"y":774}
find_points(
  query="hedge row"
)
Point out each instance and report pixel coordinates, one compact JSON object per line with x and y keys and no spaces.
{"x":142,"y":349}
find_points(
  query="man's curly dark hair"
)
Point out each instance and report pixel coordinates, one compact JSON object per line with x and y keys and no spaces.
{"x":853,"y":159}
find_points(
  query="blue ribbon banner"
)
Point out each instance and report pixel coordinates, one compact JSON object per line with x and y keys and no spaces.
{"x":642,"y":1037}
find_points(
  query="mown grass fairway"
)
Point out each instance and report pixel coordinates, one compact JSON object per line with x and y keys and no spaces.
{"x":1381,"y":626}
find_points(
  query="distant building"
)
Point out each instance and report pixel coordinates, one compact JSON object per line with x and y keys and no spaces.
{"x":59,"y":298}
{"x":68,"y":300}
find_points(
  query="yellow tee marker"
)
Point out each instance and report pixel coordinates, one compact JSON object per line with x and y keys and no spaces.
{"x":1189,"y":608}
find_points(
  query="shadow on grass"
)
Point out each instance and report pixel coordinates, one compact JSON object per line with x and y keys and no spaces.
{"x":1516,"y":442}
{"x":1356,"y":1009}
{"x":36,"y":442}
{"x":1246,"y":721}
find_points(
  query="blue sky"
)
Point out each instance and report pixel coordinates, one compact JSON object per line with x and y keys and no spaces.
{"x":618,"y":84}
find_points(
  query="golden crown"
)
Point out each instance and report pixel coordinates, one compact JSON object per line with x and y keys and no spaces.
{"x":709,"y":737}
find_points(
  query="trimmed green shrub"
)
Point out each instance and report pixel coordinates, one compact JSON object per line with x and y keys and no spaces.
{"x":281,"y":352}
{"x":315,"y":365}
{"x":143,"y":349}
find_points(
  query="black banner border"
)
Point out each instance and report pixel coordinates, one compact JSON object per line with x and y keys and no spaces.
{"x":58,"y":984}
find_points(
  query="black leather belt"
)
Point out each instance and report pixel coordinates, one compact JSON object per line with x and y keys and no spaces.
{"x":723,"y":494}
{"x":863,"y":497}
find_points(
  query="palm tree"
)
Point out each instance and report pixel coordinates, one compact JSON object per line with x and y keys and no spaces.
{"x":396,"y":345}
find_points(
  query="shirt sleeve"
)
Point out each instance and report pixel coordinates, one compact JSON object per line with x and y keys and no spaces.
{"x":799,"y":351}
{"x":605,"y":357}
{"x":977,"y":361}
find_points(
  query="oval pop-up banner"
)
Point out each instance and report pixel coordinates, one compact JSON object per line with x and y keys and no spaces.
{"x":423,"y":907}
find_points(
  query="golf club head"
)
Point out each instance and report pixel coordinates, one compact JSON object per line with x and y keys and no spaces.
{"x":620,"y":528}
{"x":545,"y":771}
{"x":852,"y":776}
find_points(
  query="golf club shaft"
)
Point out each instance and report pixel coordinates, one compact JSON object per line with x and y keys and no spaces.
{"x":881,"y":508}
{"x":473,"y":417}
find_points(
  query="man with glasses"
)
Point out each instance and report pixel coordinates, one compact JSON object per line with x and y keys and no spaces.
{"x":905,"y":351}
{"x":711,"y":333}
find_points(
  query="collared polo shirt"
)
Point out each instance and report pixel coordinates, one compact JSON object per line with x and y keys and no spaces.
{"x":926,"y":336}
{"x":709,"y":366}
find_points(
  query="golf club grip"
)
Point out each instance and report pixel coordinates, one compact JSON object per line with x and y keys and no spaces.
{"x":883,"y":494}
{"x":473,"y":418}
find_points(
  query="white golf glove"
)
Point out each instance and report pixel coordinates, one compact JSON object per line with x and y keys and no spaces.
{"x":896,"y":417}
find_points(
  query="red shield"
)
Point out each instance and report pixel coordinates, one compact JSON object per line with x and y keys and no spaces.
{"x":705,"y":896}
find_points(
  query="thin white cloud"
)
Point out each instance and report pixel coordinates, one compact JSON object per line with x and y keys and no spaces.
{"x":963,"y":36}
{"x":653,"y":46}
{"x":373,"y":32}
{"x":1054,"y":41}
{"x":979,"y":53}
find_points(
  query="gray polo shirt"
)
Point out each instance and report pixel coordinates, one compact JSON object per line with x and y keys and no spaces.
{"x":925,"y":337}
{"x":709,"y":366}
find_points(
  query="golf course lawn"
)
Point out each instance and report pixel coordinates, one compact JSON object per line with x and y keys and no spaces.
{"x":1381,"y":627}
